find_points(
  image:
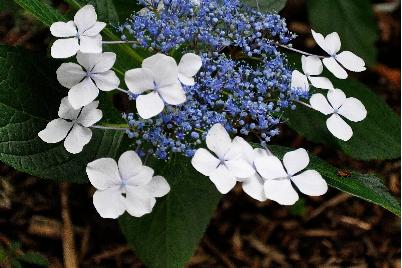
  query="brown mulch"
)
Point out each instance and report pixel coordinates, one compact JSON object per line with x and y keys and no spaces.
{"x":336,"y":230}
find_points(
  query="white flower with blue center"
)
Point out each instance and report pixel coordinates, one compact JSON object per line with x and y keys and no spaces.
{"x":338,"y":61}
{"x":312,"y":67}
{"x":159,"y":77}
{"x":226,"y":165}
{"x":82,"y":34}
{"x":279,"y":177}
{"x":125,"y":186}
{"x":339,"y":106}
{"x":85,"y":80}
{"x":73,"y":126}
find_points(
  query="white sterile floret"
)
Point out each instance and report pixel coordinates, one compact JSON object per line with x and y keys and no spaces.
{"x":279,"y":177}
{"x":338,"y":106}
{"x":85,"y":83}
{"x":312,"y":67}
{"x":125,"y":186}
{"x":73,"y":126}
{"x":226,"y":165}
{"x":332,"y":45}
{"x":159,"y":75}
{"x":82,"y":34}
{"x":253,"y":185}
{"x":189,"y":66}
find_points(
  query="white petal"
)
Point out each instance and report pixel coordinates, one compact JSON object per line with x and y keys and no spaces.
{"x":310,"y":183}
{"x":189,"y":65}
{"x":130,"y":164}
{"x":77,"y":138}
{"x":141,"y":177}
{"x":223,"y":179}
{"x":240,"y":168}
{"x":320,"y":103}
{"x":139,"y":80}
{"x":246,"y":149}
{"x":320,"y":40}
{"x":63,"y":29}
{"x":339,"y":128}
{"x":351,"y":62}
{"x":157,"y":187}
{"x":103,"y":173}
{"x":66,"y":111}
{"x":204,"y":162}
{"x":92,"y":44}
{"x":295,"y":161}
{"x":164,"y":69}
{"x":336,"y":98}
{"x":254,"y":187}
{"x":95,"y":29}
{"x":106,"y":81}
{"x":83,"y":93}
{"x":85,"y":18}
{"x":149,"y":105}
{"x":311,"y":65}
{"x":55,"y":131}
{"x":64,"y":48}
{"x":138,"y":201}
{"x":334,"y":67}
{"x":269,"y":167}
{"x":353,"y":109}
{"x":109,"y":203}
{"x":281,"y":191}
{"x":88,"y":60}
{"x":321,"y":82}
{"x":105,"y":62}
{"x":173,"y":94}
{"x":188,"y":81}
{"x":218,"y":140}
{"x":299,"y":81}
{"x":70,"y":74}
{"x":332,"y":43}
{"x":90,"y":115}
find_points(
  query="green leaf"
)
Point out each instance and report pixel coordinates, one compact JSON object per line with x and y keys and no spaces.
{"x":267,"y":5}
{"x":126,"y":7}
{"x":376,"y":137}
{"x":169,"y":235}
{"x":367,"y":187}
{"x":29,"y":99}
{"x":353,"y":20}
{"x":33,"y":258}
{"x":43,"y":12}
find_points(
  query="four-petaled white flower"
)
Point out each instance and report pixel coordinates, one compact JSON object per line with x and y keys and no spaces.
{"x":189,"y":66}
{"x":226,"y":165}
{"x":338,"y":105}
{"x":332,"y":44}
{"x":253,"y":185}
{"x":159,"y":74}
{"x":84,"y":84}
{"x":279,"y":178}
{"x":72,"y":126}
{"x":125,"y":186}
{"x":82,"y":34}
{"x":312,"y":66}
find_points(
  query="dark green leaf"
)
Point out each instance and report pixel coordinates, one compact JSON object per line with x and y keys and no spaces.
{"x":267,"y":5}
{"x":367,"y":187}
{"x":352,"y":19}
{"x":33,"y":258}
{"x":43,"y":12}
{"x":376,"y":137}
{"x":126,"y":7}
{"x":29,"y":99}
{"x":169,"y":236}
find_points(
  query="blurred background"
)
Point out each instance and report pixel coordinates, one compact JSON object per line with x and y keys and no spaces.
{"x":336,"y":230}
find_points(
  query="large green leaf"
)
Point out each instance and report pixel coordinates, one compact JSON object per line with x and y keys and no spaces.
{"x":44,"y":13}
{"x":29,"y":99}
{"x":376,"y":137}
{"x":352,"y":19}
{"x":368,"y":187}
{"x":267,"y":5}
{"x":169,"y":236}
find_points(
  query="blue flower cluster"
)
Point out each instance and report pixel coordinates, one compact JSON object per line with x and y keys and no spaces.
{"x":244,"y":82}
